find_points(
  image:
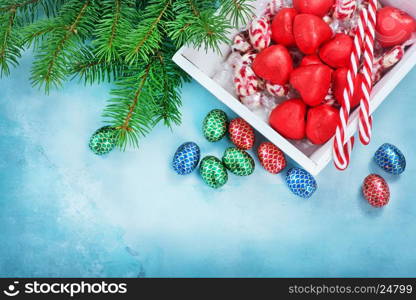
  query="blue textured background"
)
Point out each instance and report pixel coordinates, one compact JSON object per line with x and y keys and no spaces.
{"x":66,"y":212}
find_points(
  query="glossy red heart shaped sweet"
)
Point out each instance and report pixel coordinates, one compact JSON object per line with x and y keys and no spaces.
{"x":282,"y":27}
{"x":394,"y":26}
{"x":310,"y":32}
{"x":288,"y":119}
{"x":337,"y":51}
{"x":310,"y":60}
{"x":339,"y":84}
{"x":274,"y":64}
{"x":316,"y":7}
{"x":321,"y":123}
{"x":312,"y":82}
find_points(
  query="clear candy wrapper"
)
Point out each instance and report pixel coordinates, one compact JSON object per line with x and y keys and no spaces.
{"x":390,"y":58}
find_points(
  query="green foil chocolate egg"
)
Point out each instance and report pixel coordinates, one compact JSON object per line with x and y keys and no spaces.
{"x":238,"y":162}
{"x":215,"y":125}
{"x":213,"y":172}
{"x":103,"y":140}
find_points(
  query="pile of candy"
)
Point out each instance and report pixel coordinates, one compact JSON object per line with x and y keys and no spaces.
{"x":214,"y":171}
{"x":236,"y":159}
{"x":292,"y":62}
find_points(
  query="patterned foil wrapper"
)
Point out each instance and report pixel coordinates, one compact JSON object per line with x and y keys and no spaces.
{"x":238,"y":162}
{"x":186,"y":158}
{"x":215,"y":125}
{"x":390,"y":159}
{"x":213,"y":172}
{"x":301,"y":183}
{"x":376,"y":190}
{"x":103,"y":140}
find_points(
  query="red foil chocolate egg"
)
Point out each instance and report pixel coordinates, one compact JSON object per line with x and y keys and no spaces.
{"x":271,"y":158}
{"x":376,"y":190}
{"x":241,"y":134}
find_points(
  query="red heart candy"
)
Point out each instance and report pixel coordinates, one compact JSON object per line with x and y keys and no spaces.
{"x":340,"y":82}
{"x":241,"y":134}
{"x":282,"y":27}
{"x":274,"y":64}
{"x":310,"y":32}
{"x":394,"y":26}
{"x":312,"y":82}
{"x":337,"y":52}
{"x":321,"y":123}
{"x":315,"y":7}
{"x":310,"y":60}
{"x":271,"y":158}
{"x":288,"y":119}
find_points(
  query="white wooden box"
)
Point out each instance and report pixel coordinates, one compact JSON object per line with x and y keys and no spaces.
{"x":202,"y":67}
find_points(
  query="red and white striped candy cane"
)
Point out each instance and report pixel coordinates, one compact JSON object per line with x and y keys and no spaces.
{"x":365,"y":120}
{"x":342,"y":144}
{"x":344,"y":9}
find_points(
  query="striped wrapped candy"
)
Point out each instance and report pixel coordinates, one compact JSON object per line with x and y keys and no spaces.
{"x":260,"y":33}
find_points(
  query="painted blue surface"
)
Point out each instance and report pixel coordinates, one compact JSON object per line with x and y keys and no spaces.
{"x":66,"y":212}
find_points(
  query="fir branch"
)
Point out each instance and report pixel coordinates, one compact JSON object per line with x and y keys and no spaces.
{"x":198,"y":24}
{"x":90,"y":69}
{"x":145,"y":40}
{"x":130,"y":42}
{"x":239,"y":11}
{"x":34,"y":34}
{"x":31,"y":10}
{"x":73,"y":25}
{"x":14,"y":5}
{"x":130,"y":110}
{"x":117,"y":22}
{"x":171,"y":78}
{"x":10,"y":45}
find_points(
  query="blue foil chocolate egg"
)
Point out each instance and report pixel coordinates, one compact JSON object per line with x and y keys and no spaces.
{"x":186,"y":158}
{"x":301,"y":183}
{"x":390,"y":159}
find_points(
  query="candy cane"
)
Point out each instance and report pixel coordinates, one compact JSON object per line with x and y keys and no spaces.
{"x":365,"y":120}
{"x":342,"y":145}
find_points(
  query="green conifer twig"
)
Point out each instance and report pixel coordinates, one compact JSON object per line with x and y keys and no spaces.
{"x":128,"y":42}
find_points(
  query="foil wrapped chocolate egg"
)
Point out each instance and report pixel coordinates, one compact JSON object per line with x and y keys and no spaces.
{"x":241,"y":134}
{"x":238,"y":162}
{"x":390,"y":159}
{"x":215,"y":125}
{"x":271,"y":158}
{"x":376,"y":190}
{"x":213,"y":172}
{"x":186,"y":158}
{"x":301,"y":183}
{"x":103,"y":141}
